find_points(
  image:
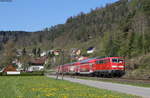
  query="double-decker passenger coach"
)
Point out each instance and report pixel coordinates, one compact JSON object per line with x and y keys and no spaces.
{"x":98,"y":66}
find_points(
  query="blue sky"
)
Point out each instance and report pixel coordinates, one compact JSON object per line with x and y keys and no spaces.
{"x":33,"y":15}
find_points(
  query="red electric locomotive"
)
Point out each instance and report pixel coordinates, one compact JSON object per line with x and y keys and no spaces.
{"x":109,"y":66}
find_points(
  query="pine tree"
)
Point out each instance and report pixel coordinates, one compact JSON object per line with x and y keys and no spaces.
{"x":39,"y":52}
{"x":24,"y":52}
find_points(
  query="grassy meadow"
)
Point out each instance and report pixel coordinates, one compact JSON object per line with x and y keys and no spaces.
{"x":43,"y":87}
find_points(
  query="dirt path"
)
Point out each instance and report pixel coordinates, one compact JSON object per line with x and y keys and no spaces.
{"x":134,"y":90}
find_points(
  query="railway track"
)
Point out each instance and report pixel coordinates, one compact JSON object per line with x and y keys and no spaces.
{"x":121,"y":80}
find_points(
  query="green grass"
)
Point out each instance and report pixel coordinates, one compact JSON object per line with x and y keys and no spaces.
{"x":43,"y":87}
{"x":133,"y":83}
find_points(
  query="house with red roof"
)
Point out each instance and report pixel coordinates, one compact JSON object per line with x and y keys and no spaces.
{"x":9,"y":68}
{"x":37,"y":64}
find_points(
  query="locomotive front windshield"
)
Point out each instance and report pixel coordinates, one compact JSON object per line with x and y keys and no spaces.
{"x":117,"y":60}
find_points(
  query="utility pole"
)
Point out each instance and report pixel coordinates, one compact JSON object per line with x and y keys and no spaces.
{"x":54,"y":57}
{"x":59,"y":67}
{"x":62,"y":59}
{"x":57,"y":73}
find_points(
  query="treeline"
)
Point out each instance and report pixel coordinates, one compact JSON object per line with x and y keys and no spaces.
{"x":23,"y":39}
{"x":14,"y":36}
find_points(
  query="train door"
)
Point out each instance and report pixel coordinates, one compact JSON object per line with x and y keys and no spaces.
{"x":84,"y":68}
{"x":106,"y":63}
{"x":103,"y":64}
{"x":94,"y":66}
{"x":99,"y":65}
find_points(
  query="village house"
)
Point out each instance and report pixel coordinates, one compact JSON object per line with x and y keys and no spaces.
{"x":11,"y":69}
{"x":37,"y":64}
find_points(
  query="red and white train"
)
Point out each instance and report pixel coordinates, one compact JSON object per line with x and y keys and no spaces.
{"x":106,"y":66}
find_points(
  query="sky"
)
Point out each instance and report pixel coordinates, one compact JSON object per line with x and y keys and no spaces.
{"x":34,"y":15}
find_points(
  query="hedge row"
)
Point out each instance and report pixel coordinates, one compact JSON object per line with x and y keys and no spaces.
{"x":35,"y":73}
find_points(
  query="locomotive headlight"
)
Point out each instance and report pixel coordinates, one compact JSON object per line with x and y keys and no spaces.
{"x":121,"y":66}
{"x":114,"y":66}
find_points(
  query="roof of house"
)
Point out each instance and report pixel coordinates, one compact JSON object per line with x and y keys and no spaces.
{"x":9,"y":68}
{"x":38,"y":61}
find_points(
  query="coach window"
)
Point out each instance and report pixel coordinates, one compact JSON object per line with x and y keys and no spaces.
{"x":106,"y":61}
{"x":97,"y":62}
{"x":91,"y":65}
{"x":100,"y":62}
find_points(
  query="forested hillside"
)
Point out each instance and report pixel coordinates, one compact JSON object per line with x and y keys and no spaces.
{"x":122,"y":27}
{"x":118,"y":29}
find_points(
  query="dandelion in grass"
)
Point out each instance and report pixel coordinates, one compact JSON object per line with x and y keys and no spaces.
{"x":19,"y":96}
{"x":50,"y":94}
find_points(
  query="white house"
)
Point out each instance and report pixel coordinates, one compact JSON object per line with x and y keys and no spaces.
{"x":37,"y":64}
{"x":35,"y":68}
